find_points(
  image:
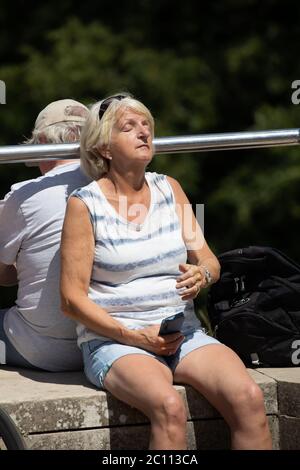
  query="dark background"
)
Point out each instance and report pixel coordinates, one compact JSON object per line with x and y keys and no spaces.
{"x":200,"y":67}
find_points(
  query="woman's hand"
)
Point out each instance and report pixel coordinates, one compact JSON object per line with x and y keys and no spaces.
{"x":149,"y":339}
{"x":192,"y":281}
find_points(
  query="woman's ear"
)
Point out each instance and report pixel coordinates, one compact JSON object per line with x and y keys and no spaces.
{"x":105,"y":152}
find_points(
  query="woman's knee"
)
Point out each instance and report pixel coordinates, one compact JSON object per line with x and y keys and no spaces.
{"x":170,"y":409}
{"x":249,"y":398}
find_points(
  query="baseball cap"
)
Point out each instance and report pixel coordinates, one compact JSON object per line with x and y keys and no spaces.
{"x":61,"y":111}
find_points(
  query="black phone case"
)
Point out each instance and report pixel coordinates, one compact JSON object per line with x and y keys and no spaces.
{"x":171,"y":324}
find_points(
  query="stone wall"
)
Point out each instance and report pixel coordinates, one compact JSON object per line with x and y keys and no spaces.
{"x":63,"y":411}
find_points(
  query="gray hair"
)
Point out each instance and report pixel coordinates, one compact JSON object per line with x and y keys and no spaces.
{"x":60,"y":133}
{"x":97,"y":133}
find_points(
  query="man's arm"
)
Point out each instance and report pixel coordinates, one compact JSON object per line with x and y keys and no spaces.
{"x":8,"y":275}
{"x":12,"y":225}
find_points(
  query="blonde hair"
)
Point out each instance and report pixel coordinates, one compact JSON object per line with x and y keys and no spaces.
{"x":97,"y":133}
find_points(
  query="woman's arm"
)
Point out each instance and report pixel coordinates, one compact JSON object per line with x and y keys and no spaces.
{"x":77,"y":255}
{"x":204,"y":265}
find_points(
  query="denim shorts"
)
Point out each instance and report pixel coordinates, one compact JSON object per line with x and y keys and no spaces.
{"x":98,"y":357}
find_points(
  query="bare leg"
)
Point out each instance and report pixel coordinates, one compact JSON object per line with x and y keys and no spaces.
{"x":146,"y":384}
{"x":219,"y":374}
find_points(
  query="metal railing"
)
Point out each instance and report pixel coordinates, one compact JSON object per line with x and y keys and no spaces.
{"x":196,"y":143}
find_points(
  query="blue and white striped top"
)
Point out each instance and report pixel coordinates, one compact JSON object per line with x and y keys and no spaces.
{"x":135,"y":266}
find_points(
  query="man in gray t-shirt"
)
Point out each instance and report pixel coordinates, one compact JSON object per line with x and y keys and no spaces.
{"x":34,"y":332}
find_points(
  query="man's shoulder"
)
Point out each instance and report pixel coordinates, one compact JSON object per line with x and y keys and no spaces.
{"x":25,"y":185}
{"x":71,"y":178}
{"x":21,"y":190}
{"x":17,"y":189}
{"x":16,"y":186}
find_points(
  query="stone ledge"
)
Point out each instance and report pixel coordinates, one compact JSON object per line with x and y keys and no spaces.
{"x":62,"y":410}
{"x":203,"y":434}
{"x":289,"y":433}
{"x":288,"y":386}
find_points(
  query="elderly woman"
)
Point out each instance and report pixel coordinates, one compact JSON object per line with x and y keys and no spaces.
{"x":126,"y":240}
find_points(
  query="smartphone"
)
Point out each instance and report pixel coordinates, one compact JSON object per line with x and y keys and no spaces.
{"x":171,"y":324}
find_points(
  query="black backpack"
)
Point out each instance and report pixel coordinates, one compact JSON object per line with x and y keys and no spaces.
{"x":254,"y":308}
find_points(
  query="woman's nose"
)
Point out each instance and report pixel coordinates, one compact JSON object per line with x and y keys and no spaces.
{"x":144,"y":131}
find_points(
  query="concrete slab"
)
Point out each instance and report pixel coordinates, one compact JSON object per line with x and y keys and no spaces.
{"x":281,"y":374}
{"x":64,"y":411}
{"x":288,"y":388}
{"x":47,"y":402}
{"x":202,"y":435}
{"x":289,"y":433}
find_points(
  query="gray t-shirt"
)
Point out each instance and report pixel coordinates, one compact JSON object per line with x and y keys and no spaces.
{"x":31,"y":219}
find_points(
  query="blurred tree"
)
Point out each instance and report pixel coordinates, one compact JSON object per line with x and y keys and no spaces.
{"x":88,"y":62}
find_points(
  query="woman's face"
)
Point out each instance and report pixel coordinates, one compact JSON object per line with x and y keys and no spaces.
{"x":131,"y":138}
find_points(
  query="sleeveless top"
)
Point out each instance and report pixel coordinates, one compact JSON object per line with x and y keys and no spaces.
{"x":136,"y":265}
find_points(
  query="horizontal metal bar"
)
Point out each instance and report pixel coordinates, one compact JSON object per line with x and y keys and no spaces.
{"x":196,"y":143}
{"x":228,"y":141}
